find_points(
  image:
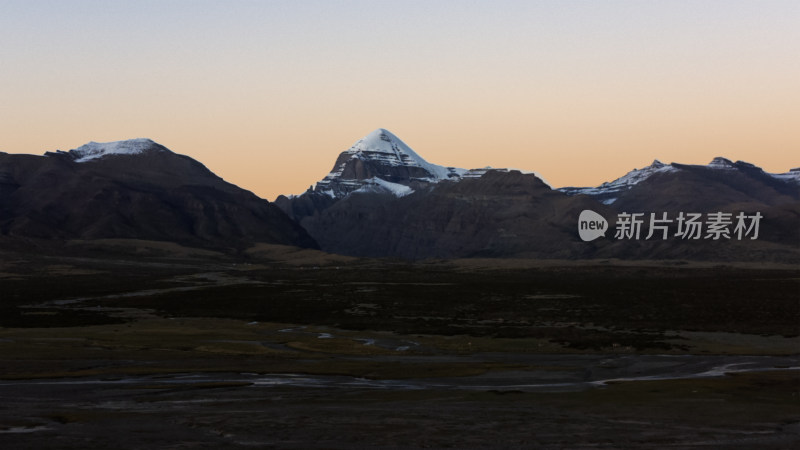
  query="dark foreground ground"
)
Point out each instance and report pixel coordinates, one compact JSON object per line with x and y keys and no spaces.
{"x":150,"y":347}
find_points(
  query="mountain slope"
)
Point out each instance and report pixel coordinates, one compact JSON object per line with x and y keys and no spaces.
{"x":720,"y":182}
{"x":608,"y":192}
{"x":380,"y":200}
{"x":499,"y":214}
{"x":134,"y":189}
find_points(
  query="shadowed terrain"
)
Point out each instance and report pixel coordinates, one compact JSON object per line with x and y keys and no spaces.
{"x":127,"y":344}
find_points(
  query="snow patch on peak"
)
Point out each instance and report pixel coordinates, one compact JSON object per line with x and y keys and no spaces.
{"x":636,"y":176}
{"x":380,"y":186}
{"x":792,"y":176}
{"x":479,"y":172}
{"x":721,"y":163}
{"x":622,"y":183}
{"x":94,"y":150}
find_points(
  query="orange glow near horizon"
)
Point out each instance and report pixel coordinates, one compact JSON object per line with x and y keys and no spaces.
{"x":267,"y":95}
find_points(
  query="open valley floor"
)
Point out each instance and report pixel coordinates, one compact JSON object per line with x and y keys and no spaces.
{"x":161,"y":348}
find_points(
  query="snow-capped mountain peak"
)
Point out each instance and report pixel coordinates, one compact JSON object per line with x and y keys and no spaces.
{"x":94,"y":150}
{"x":638,"y":175}
{"x":721,"y":163}
{"x":657,"y":164}
{"x":609,"y":190}
{"x":792,"y":176}
{"x":381,"y":157}
{"x":382,"y":141}
{"x":380,"y":162}
{"x":384,"y":147}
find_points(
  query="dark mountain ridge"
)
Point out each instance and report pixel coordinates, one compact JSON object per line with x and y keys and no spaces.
{"x":146,"y":193}
{"x":505,"y":213}
{"x":382,"y":199}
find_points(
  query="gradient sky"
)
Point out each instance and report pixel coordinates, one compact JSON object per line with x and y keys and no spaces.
{"x":267,"y":93}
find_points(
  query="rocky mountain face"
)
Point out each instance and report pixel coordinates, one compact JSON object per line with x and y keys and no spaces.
{"x":498,"y":214}
{"x":665,"y":187}
{"x":134,"y":189}
{"x":379,"y":163}
{"x":382,"y":199}
{"x":381,"y":160}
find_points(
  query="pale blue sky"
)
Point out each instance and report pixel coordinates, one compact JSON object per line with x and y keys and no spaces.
{"x":267,"y":93}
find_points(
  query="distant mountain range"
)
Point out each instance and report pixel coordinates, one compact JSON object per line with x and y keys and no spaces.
{"x":617,"y":190}
{"x":382,"y":199}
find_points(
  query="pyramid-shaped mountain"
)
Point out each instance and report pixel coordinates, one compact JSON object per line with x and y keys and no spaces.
{"x":381,"y":162}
